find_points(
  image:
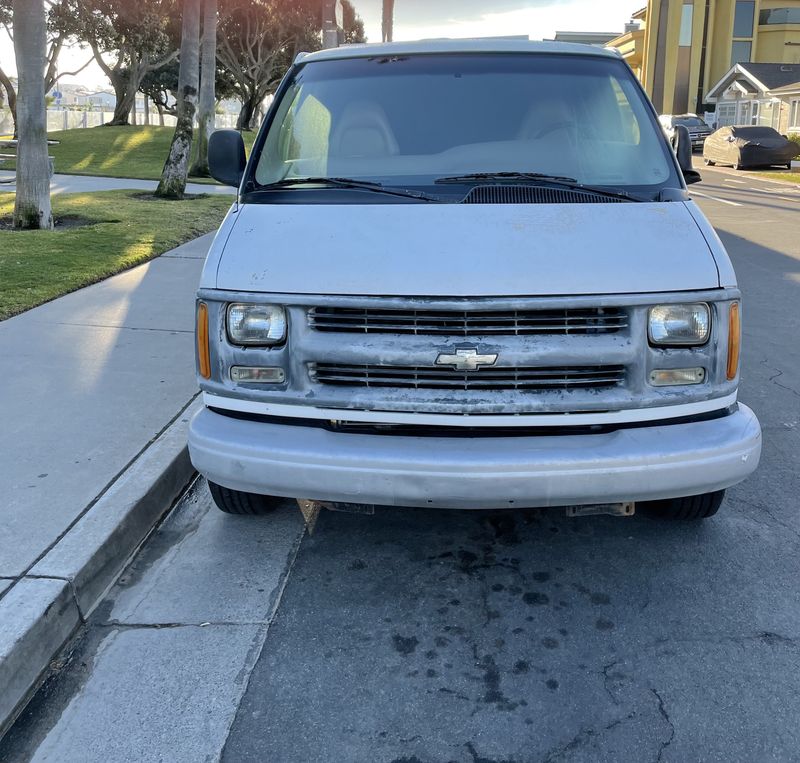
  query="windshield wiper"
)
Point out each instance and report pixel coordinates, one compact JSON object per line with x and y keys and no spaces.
{"x":539,"y":177}
{"x":337,"y":182}
{"x":473,"y":177}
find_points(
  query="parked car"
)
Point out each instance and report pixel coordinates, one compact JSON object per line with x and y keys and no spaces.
{"x":417,"y":302}
{"x":698,"y":129}
{"x":742,"y":147}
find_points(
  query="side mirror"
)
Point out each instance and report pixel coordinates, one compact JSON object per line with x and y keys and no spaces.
{"x":682,"y":145}
{"x":226,"y":158}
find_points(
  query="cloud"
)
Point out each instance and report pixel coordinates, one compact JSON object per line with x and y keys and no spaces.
{"x":415,"y":19}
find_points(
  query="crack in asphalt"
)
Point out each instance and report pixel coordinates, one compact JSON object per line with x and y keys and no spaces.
{"x":768,"y":511}
{"x":665,"y":716}
{"x":770,"y":638}
{"x":476,"y":758}
{"x":584,"y":736}
{"x":778,"y":373}
{"x":607,"y":678}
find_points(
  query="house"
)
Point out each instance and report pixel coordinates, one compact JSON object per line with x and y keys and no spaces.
{"x":72,"y":95}
{"x":100,"y":100}
{"x":766,"y":94}
{"x":679,"y":48}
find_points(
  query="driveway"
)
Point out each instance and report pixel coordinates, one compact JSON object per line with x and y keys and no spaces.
{"x":432,"y":636}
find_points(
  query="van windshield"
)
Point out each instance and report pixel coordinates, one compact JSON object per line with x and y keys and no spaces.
{"x":690,"y":122}
{"x":409,"y":120}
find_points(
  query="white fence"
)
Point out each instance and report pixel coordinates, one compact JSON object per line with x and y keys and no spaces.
{"x":62,"y":119}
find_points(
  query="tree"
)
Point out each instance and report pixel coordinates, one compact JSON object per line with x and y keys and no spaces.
{"x":128,"y":39}
{"x":207,"y":100}
{"x":173,"y":177}
{"x":56,"y":39}
{"x":161,"y":86}
{"x":352,"y":24}
{"x":11,"y":97}
{"x":32,"y":200}
{"x":257,"y":41}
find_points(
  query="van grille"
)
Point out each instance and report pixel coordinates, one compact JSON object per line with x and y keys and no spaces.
{"x":468,"y":323}
{"x":495,"y":378}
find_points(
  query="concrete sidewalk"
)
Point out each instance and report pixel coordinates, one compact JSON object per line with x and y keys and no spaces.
{"x":87,"y":183}
{"x":95,"y":397}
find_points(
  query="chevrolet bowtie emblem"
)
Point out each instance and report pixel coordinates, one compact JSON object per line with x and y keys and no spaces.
{"x":466,"y":360}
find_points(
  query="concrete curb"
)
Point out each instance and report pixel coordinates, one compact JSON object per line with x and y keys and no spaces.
{"x":40,"y":612}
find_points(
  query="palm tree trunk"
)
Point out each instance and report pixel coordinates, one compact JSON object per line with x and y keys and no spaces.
{"x":387,"y":21}
{"x":208,"y":75}
{"x":32,"y":202}
{"x":176,"y":168}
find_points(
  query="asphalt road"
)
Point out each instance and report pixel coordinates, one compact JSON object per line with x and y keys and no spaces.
{"x":429,"y":636}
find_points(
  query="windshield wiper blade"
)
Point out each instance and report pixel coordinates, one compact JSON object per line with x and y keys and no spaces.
{"x":473,"y":177}
{"x":539,"y":177}
{"x":338,"y":182}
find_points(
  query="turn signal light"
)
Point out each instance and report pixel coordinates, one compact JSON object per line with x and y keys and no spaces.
{"x":203,"y":357}
{"x":734,"y":340}
{"x":254,"y":375}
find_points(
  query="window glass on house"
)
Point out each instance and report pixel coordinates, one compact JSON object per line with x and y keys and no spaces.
{"x":743,"y":18}
{"x":779,"y":16}
{"x":794,"y":115}
{"x":743,"y":117}
{"x":726,"y":114}
{"x":765,"y":114}
{"x":740,"y":51}
{"x":685,"y":36}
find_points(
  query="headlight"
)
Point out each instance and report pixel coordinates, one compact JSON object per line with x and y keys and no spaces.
{"x":256,"y":324}
{"x":679,"y":324}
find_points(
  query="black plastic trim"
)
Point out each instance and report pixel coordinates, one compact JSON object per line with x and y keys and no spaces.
{"x":434,"y":430}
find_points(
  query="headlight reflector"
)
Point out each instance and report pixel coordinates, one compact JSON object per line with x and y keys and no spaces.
{"x":256,"y":324}
{"x":679,"y":324}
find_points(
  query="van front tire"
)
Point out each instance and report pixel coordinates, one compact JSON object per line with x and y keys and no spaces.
{"x":237,"y":502}
{"x":687,"y":508}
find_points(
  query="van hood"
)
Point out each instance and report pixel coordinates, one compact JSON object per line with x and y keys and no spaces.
{"x":449,"y":250}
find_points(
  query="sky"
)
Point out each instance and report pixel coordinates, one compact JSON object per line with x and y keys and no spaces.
{"x":418,"y":19}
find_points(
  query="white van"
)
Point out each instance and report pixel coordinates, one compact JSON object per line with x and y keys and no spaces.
{"x":467,"y":274}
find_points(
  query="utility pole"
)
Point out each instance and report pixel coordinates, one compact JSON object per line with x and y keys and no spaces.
{"x":332,"y":23}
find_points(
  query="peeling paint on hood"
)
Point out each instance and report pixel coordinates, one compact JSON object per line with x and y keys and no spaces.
{"x":464,"y":250}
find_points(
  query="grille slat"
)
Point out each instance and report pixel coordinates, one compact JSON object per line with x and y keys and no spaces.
{"x":533,"y":194}
{"x":502,"y":378}
{"x":463,"y":323}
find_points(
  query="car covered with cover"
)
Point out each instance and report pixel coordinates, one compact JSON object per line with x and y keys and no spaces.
{"x":749,"y":147}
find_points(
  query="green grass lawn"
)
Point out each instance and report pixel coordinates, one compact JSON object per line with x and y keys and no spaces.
{"x":124,"y":229}
{"x":126,"y":152}
{"x":786,"y":176}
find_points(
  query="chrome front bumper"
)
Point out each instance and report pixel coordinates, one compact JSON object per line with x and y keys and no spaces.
{"x":629,"y":464}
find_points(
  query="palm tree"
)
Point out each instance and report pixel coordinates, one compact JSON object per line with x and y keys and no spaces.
{"x":387,"y":22}
{"x":207,"y":99}
{"x":32,"y":202}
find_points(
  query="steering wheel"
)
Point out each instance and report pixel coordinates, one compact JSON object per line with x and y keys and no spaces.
{"x":553,"y":127}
